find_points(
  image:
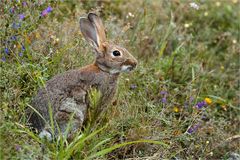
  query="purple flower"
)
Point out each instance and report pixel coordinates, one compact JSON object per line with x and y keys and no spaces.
{"x":17,"y":147}
{"x":201,"y":104}
{"x":24,"y":4}
{"x":164,"y":100}
{"x":14,"y":38}
{"x":163,"y":92}
{"x":6,"y":50}
{"x":133,"y":86}
{"x":20,"y":54}
{"x":23,"y":48}
{"x":49,"y":9}
{"x":193,"y":129}
{"x":3,"y":59}
{"x":21,"y":16}
{"x":46,"y":11}
{"x":12,"y":10}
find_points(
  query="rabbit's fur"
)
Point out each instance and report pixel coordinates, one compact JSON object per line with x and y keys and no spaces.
{"x":67,"y":93}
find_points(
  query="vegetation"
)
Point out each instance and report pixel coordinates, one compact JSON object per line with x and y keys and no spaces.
{"x":182,"y":101}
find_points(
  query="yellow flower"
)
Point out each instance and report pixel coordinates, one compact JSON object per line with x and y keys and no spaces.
{"x":176,"y":109}
{"x":208,"y":101}
{"x":218,"y":4}
{"x":222,"y":67}
{"x":37,"y":35}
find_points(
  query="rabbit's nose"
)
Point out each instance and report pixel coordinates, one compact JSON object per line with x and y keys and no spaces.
{"x":131,"y":62}
{"x":134,"y":64}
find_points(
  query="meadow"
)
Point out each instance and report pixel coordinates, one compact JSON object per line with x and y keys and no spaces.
{"x":181,"y":102}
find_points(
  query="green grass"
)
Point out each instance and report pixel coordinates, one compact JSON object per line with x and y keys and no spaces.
{"x":185,"y":55}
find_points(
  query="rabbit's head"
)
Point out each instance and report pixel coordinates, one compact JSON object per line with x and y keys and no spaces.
{"x":109,"y":57}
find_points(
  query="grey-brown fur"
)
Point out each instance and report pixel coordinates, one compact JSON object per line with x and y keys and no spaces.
{"x":73,"y":84}
{"x":67,"y":93}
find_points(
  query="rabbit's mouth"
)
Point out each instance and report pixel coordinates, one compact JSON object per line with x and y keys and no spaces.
{"x":127,"y":68}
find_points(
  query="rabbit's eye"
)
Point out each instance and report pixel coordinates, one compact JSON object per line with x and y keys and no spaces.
{"x":116,"y":53}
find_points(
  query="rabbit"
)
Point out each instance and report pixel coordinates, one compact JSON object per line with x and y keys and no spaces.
{"x":67,"y":93}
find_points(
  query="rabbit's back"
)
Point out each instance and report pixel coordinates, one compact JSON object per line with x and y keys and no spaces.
{"x":69,"y":92}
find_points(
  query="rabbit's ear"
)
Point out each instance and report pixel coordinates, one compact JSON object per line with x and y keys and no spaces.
{"x":99,"y":26}
{"x":89,"y":32}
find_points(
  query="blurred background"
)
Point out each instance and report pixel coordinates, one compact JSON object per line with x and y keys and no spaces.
{"x":184,"y":92}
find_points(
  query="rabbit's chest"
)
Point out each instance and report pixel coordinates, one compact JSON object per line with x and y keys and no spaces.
{"x":108,"y":89}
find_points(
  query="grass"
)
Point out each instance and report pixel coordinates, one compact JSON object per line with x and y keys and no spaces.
{"x":185,"y":56}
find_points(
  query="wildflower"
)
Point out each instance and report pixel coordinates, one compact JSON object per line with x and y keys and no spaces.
{"x":163,"y":92}
{"x":6,"y":50}
{"x":24,"y":4}
{"x":49,"y":9}
{"x":208,"y":101}
{"x":12,"y":10}
{"x":235,"y":1}
{"x":18,"y":46}
{"x":194,"y":5}
{"x":186,"y":25}
{"x":193,"y":129}
{"x":28,"y":40}
{"x":206,"y":14}
{"x":175,"y":109}
{"x":46,"y":11}
{"x":17,"y":147}
{"x":23,"y":48}
{"x":3,"y":59}
{"x":57,"y":40}
{"x":222,"y":67}
{"x":20,"y":54}
{"x":133,"y":86}
{"x":13,"y":38}
{"x":164,"y":100}
{"x":201,"y":104}
{"x":176,"y":132}
{"x":218,"y":4}
{"x":234,"y":41}
{"x":21,"y":16}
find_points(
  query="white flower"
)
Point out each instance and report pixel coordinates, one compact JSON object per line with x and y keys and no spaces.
{"x":186,"y":25}
{"x":130,"y":14}
{"x":194,"y":5}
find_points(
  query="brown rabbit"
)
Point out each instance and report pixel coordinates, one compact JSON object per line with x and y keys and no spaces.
{"x":67,"y":93}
